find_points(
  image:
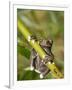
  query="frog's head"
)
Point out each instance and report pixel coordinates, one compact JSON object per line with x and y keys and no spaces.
{"x":47,"y":43}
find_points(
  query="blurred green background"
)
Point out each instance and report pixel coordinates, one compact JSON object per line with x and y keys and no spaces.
{"x":43,"y":24}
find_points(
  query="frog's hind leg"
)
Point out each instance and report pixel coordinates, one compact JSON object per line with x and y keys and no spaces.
{"x":33,"y":60}
{"x":43,"y":74}
{"x":33,"y":66}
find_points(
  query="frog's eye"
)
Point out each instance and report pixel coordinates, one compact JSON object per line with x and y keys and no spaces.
{"x":49,"y":42}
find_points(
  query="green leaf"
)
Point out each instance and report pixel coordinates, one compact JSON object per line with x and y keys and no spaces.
{"x":32,"y":75}
{"x":29,"y":75}
{"x":23,"y":51}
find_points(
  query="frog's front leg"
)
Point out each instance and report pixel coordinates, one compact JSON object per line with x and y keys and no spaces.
{"x":44,"y":70}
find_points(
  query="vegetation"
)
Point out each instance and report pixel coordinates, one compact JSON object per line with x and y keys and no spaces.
{"x":42,"y":24}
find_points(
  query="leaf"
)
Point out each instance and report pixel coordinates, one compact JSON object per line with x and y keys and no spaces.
{"x":29,"y":75}
{"x":32,"y":75}
{"x":23,"y":51}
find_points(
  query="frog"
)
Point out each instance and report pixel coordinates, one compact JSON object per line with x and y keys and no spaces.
{"x":38,"y":64}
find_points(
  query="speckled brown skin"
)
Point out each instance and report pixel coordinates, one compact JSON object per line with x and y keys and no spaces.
{"x":37,"y":62}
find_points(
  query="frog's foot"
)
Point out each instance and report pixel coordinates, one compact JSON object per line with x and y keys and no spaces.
{"x":41,"y":76}
{"x":31,"y":68}
{"x":37,"y":71}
